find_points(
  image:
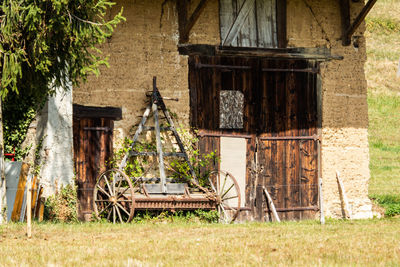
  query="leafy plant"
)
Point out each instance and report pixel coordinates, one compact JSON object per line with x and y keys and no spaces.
{"x":45,"y":45}
{"x":202,"y":164}
{"x":62,"y":207}
{"x":391,"y":203}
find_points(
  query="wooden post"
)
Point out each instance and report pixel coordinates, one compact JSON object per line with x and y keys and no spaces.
{"x":271,"y":205}
{"x":344,"y":196}
{"x":321,"y":202}
{"x":3,"y":198}
{"x":29,"y":207}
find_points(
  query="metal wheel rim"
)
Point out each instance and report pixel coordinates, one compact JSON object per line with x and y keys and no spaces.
{"x":115,"y":209}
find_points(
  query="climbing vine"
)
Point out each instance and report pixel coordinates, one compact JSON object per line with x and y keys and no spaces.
{"x":18,"y":113}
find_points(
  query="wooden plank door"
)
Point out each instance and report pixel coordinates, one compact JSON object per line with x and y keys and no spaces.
{"x":280,"y":125}
{"x":93,"y":150}
{"x":288,"y":142}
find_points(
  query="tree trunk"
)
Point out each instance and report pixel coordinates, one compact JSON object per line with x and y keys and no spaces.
{"x":3,"y":199}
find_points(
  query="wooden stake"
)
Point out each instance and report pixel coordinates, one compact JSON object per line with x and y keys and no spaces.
{"x":271,"y":205}
{"x":29,"y":207}
{"x":344,"y":196}
{"x":321,"y":202}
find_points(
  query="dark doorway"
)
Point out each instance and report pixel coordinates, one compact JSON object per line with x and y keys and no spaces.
{"x":272,"y":105}
{"x":93,"y":146}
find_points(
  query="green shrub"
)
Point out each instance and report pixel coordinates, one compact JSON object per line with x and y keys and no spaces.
{"x":62,"y":207}
{"x":391,"y":203}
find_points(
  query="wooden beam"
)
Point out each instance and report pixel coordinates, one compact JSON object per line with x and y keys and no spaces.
{"x":97,"y":112}
{"x":318,"y":53}
{"x":233,"y":32}
{"x":181,"y":7}
{"x":281,"y":23}
{"x":195,"y":16}
{"x":185,"y":24}
{"x":345,"y":14}
{"x":364,"y":12}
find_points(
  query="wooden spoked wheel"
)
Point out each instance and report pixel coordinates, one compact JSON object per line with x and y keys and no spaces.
{"x":227,"y":193}
{"x":113,"y":197}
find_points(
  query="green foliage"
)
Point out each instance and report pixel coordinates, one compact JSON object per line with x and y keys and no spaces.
{"x":135,"y":167}
{"x":44,"y":45}
{"x":178,"y":168}
{"x":62,"y":207}
{"x":18,"y":113}
{"x":197,"y":216}
{"x":202,"y":164}
{"x":391,"y":203}
{"x":383,"y":25}
{"x":48,"y":43}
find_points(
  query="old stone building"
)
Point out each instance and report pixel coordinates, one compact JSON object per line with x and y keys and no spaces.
{"x":279,"y":85}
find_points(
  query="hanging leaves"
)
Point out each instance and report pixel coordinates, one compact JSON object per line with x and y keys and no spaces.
{"x":47,"y":43}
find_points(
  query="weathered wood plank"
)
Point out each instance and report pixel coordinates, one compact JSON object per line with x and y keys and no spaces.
{"x":266,"y":23}
{"x":238,"y":22}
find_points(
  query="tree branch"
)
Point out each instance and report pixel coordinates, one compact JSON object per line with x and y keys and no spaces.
{"x":83,"y":20}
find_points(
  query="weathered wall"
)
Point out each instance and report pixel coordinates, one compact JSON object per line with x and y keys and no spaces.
{"x":314,"y":23}
{"x":52,"y":130}
{"x":146,"y":45}
{"x":142,"y":47}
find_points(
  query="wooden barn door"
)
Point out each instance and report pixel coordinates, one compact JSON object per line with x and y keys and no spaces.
{"x":288,"y":140}
{"x":279,"y":128}
{"x":93,"y":147}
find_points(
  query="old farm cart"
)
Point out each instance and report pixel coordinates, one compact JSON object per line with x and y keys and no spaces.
{"x":117,"y":196}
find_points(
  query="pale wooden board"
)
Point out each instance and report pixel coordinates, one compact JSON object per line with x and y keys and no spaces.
{"x":233,"y":160}
{"x":251,"y":26}
{"x":12,"y":172}
{"x":19,"y":197}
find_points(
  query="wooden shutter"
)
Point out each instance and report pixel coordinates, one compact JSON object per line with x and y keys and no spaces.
{"x":248,"y":23}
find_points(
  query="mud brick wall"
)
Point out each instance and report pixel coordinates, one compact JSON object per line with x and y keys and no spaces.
{"x":142,"y":47}
{"x":146,"y":45}
{"x":314,"y":23}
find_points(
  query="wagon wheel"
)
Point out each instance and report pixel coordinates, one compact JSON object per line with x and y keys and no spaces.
{"x":227,"y":192}
{"x":113,"y":197}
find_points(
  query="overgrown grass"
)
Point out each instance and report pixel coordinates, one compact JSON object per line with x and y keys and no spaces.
{"x":306,"y":243}
{"x":383,"y":50}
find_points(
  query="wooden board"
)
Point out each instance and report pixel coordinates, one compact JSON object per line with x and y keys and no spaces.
{"x":233,"y":160}
{"x":248,"y":23}
{"x":19,"y":197}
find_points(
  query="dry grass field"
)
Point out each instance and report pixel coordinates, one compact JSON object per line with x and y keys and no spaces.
{"x":338,"y":243}
{"x":307,"y":243}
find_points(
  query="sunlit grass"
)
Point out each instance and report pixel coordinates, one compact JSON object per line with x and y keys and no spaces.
{"x":307,"y":243}
{"x":383,"y":50}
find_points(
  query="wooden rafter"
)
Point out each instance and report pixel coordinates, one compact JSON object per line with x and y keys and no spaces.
{"x":186,"y":24}
{"x":348,"y":30}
